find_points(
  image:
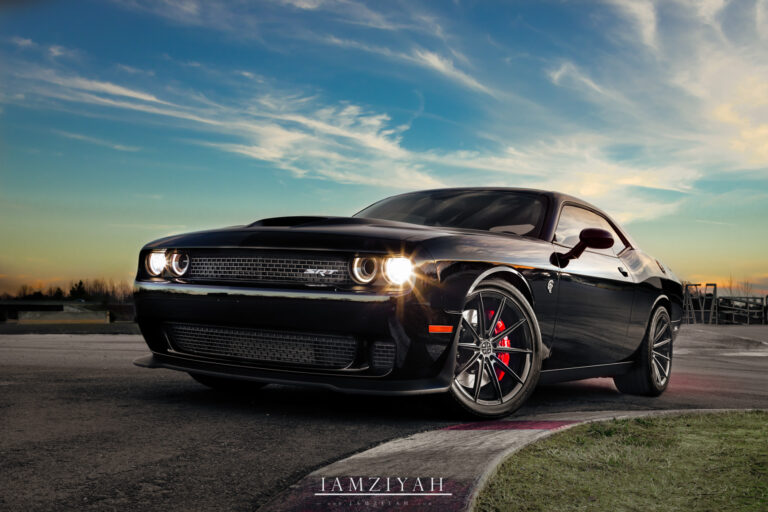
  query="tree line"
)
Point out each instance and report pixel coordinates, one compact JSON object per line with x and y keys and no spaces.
{"x":91,"y":290}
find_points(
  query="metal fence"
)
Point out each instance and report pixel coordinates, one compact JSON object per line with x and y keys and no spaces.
{"x":741,"y":310}
{"x":701,"y":305}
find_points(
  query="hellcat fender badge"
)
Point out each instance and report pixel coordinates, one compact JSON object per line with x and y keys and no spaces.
{"x":550,"y":285}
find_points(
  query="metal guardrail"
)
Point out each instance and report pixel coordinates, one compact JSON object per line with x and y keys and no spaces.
{"x":701,"y":305}
{"x":741,"y":310}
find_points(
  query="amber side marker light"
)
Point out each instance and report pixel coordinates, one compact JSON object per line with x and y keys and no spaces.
{"x":440,"y":329}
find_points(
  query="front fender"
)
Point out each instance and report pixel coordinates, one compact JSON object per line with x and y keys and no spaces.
{"x":459,"y":279}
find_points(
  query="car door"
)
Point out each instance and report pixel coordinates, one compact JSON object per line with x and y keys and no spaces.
{"x":595,"y":296}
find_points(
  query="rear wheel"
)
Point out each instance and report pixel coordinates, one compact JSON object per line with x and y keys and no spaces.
{"x":498,"y":357}
{"x":229,"y":385}
{"x":651,"y":375}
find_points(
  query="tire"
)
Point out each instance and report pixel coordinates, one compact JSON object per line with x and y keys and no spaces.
{"x":650,"y":377}
{"x":498,"y":351}
{"x":228,"y":385}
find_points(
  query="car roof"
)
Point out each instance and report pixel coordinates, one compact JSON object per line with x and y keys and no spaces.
{"x":557,"y":199}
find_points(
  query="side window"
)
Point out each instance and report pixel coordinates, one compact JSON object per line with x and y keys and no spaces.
{"x":573,"y":219}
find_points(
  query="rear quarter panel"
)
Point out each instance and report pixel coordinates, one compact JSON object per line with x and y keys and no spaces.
{"x":655,"y":284}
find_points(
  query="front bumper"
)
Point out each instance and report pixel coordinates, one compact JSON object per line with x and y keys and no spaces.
{"x":423,"y":362}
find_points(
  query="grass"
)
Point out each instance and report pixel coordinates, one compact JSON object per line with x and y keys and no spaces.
{"x":690,"y":462}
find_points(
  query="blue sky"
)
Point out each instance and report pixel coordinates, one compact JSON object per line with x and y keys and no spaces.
{"x":122,"y":121}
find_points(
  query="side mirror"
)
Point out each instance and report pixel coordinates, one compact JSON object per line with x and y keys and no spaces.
{"x":595,"y":238}
{"x":592,"y":238}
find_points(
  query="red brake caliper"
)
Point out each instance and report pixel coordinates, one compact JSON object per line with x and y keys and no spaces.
{"x":504,"y":358}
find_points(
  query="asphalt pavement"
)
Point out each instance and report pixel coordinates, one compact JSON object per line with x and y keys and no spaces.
{"x":82,"y":427}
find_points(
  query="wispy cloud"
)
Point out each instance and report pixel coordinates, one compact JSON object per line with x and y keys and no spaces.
{"x":568,"y":71}
{"x":419,"y":57}
{"x":55,"y":51}
{"x":96,"y":141}
{"x":85,"y":84}
{"x":23,"y":42}
{"x":714,"y":222}
{"x":446,"y":67}
{"x":642,"y":15}
{"x":134,"y":71}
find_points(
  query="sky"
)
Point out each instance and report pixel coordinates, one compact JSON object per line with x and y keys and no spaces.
{"x":126,"y":120}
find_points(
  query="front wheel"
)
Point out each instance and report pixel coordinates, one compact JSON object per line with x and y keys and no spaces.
{"x":498,"y":357}
{"x":650,"y":377}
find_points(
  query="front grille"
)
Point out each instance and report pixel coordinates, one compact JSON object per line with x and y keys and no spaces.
{"x":289,"y":268}
{"x":262,"y":345}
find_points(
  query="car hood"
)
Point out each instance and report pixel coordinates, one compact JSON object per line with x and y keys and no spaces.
{"x":328,"y":233}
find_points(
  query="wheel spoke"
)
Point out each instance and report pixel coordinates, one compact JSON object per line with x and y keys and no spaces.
{"x":506,"y":368}
{"x":512,"y":350}
{"x":496,"y":317}
{"x":660,"y":332}
{"x":469,"y":363}
{"x":662,"y":343}
{"x":478,"y":380}
{"x":481,"y":313}
{"x":471,"y":329}
{"x":663,"y":371}
{"x":470,"y":346}
{"x":494,"y":380}
{"x":659,"y":354}
{"x":507,"y":331}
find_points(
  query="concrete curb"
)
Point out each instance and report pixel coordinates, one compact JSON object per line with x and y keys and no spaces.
{"x":440,"y":470}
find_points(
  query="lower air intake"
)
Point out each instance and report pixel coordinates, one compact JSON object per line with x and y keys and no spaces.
{"x":262,"y":345}
{"x":383,"y":355}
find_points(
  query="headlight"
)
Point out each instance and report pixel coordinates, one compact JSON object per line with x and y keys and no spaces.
{"x":364,"y":270}
{"x":398,"y":270}
{"x":156,"y":263}
{"x":179,"y":263}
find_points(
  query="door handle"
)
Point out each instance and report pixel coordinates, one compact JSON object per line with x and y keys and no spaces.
{"x":623,"y":272}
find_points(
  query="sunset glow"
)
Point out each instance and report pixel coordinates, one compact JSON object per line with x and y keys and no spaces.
{"x":124,"y":121}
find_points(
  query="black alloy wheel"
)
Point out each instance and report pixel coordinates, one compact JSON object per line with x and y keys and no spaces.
{"x":498,"y":356}
{"x":650,"y":377}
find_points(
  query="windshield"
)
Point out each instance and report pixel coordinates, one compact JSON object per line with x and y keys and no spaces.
{"x":520,"y":213}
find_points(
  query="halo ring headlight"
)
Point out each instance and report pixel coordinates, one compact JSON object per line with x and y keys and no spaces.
{"x":156,"y":263}
{"x":364,"y":270}
{"x":398,"y":270}
{"x":179,"y":263}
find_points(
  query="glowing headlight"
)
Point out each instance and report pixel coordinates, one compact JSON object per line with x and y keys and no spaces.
{"x":398,"y":270}
{"x":156,"y":263}
{"x":179,"y":263}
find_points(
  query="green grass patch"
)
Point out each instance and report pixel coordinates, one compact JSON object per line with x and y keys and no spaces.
{"x":689,"y":462}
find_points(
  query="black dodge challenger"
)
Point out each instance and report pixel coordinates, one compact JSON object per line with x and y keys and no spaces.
{"x":478,"y":292}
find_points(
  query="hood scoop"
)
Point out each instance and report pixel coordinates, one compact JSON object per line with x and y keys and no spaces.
{"x":287,"y":221}
{"x":306,"y":221}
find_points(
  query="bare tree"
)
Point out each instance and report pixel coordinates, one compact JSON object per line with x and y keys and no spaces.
{"x":745,"y":288}
{"x":728,"y":285}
